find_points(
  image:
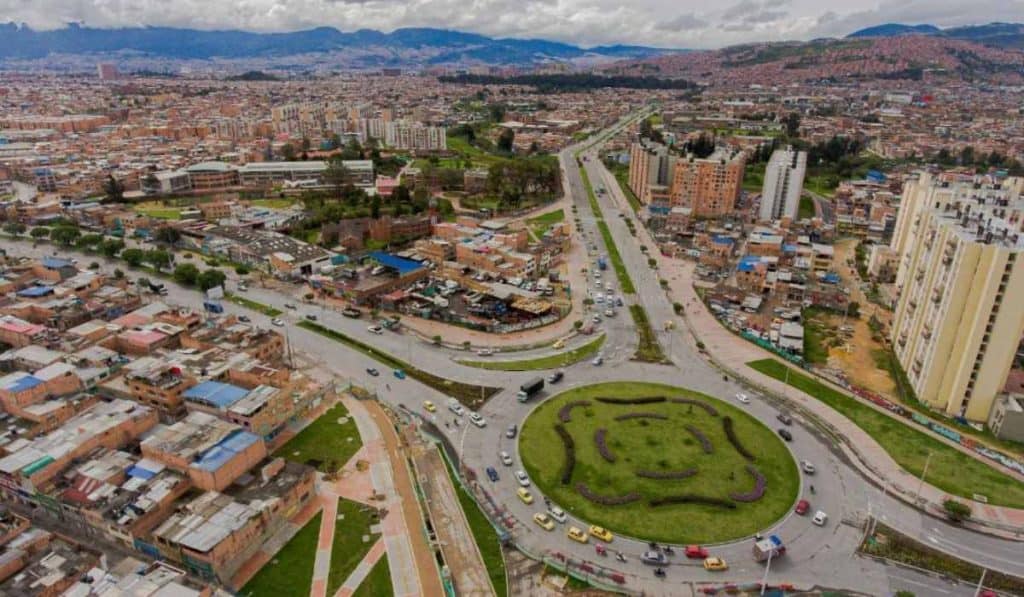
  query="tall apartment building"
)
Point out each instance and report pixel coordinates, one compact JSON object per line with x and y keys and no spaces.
{"x":414,"y":135}
{"x":107,"y":71}
{"x":307,"y":120}
{"x":960,"y":314}
{"x":783,"y":184}
{"x":649,"y":165}
{"x":709,"y":187}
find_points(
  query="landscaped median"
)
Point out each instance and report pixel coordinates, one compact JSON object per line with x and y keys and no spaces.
{"x":648,"y":351}
{"x":949,"y":469}
{"x":472,"y":395}
{"x":251,"y":304}
{"x":564,"y":359}
{"x":625,"y":282}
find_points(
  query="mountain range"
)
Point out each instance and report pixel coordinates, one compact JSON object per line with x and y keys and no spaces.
{"x":402,"y":47}
{"x":1000,"y":35}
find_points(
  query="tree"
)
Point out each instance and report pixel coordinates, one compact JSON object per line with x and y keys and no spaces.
{"x":118,"y":273}
{"x":288,"y":152}
{"x":111,"y":247}
{"x":375,"y":207}
{"x":14,"y":228}
{"x":113,"y":189}
{"x":186,"y":274}
{"x":306,"y":144}
{"x":158,"y":258}
{"x":956,"y":511}
{"x":211,"y":278}
{"x":133,"y":257}
{"x":496,"y":112}
{"x":792,"y":123}
{"x":241,"y":269}
{"x":168,"y":235}
{"x":88,"y":241}
{"x":336,"y":176}
{"x":94,"y":265}
{"x":401,"y":194}
{"x":352,"y":151}
{"x":506,"y":140}
{"x":39,"y":232}
{"x":64,"y":235}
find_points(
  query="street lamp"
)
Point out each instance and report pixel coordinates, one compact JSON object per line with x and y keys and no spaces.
{"x":764,"y":579}
{"x":920,"y":484}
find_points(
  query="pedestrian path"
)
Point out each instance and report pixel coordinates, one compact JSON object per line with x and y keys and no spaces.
{"x":362,"y":570}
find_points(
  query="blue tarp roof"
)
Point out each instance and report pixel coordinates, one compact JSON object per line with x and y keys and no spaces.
{"x":747,"y":263}
{"x":723,"y":240}
{"x":36,"y":291}
{"x":25,"y":382}
{"x":56,"y":262}
{"x":223,"y":452}
{"x":401,"y":264}
{"x":789,"y":248}
{"x":140,"y":473}
{"x":220,"y":395}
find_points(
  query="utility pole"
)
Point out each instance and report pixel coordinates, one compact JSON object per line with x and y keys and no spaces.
{"x":768,"y":564}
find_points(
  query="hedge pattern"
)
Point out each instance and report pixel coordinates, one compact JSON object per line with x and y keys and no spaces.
{"x":735,"y":441}
{"x":760,"y":484}
{"x":639,"y":400}
{"x":629,"y":416}
{"x":607,"y":500}
{"x":683,"y":474}
{"x":602,"y":445}
{"x":564,"y":413}
{"x":705,"y":443}
{"x":689,"y":498}
{"x":711,"y":410}
{"x":570,"y":453}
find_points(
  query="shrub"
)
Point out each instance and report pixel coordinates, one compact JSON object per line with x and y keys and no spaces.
{"x":570,"y":453}
{"x":705,"y":443}
{"x":956,"y":511}
{"x":607,"y":500}
{"x":760,"y":484}
{"x":735,"y":441}
{"x":629,"y":416}
{"x":640,"y":400}
{"x":564,"y":413}
{"x":683,"y":474}
{"x":707,"y":407}
{"x":602,"y":446}
{"x":689,"y":498}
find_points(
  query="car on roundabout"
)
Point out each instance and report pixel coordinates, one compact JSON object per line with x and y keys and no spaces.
{"x":696,"y":552}
{"x":544,"y":521}
{"x":654,"y":557}
{"x":492,"y":474}
{"x":525,"y":495}
{"x":802,"y":507}
{"x":715,"y":564}
{"x":506,"y":458}
{"x":786,"y":435}
{"x":373,"y":372}
{"x":557,"y":513}
{"x":277,"y":322}
{"x":577,"y":534}
{"x":601,"y":533}
{"x":807,"y":467}
{"x":399,"y":373}
{"x":743,"y":398}
{"x":429,"y":406}
{"x":820,"y":518}
{"x":522,"y":478}
{"x":477,"y":420}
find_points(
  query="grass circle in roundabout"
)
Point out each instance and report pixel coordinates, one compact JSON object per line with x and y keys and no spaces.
{"x":658,"y":463}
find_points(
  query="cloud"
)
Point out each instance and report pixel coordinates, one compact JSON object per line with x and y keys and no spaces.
{"x":667,"y":23}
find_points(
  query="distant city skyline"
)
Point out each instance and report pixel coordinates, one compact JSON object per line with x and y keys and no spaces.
{"x":664,"y":23}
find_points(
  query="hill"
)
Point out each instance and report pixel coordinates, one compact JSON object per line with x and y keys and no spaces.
{"x":864,"y":58}
{"x":365,"y":47}
{"x":998,"y":35}
{"x":890,"y":29}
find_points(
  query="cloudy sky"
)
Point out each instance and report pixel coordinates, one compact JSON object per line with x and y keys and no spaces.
{"x":667,"y":23}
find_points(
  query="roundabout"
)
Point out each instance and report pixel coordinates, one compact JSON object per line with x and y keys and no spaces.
{"x":658,"y":463}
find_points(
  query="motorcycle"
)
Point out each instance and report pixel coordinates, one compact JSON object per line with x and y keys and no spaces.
{"x":620,"y":557}
{"x":601,"y":551}
{"x":669,"y":550}
{"x":659,"y":572}
{"x":812,"y":490}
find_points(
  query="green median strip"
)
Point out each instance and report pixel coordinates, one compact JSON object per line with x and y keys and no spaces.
{"x":625,"y":282}
{"x":484,"y":534}
{"x":648,"y":351}
{"x":251,"y":304}
{"x":949,"y":469}
{"x":549,"y":362}
{"x":472,"y":395}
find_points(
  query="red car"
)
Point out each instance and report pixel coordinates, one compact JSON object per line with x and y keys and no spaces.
{"x":696,"y":551}
{"x":802,"y":507}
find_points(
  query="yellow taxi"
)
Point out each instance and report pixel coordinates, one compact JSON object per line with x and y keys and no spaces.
{"x":713,"y":564}
{"x":601,"y":533}
{"x":429,"y":406}
{"x":543,"y":521}
{"x":525,"y":495}
{"x":577,"y":535}
{"x":559,"y":345}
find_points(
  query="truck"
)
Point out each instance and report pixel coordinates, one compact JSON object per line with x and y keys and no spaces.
{"x":157,"y":288}
{"x":602,"y":263}
{"x":769,"y":547}
{"x":530,"y":388}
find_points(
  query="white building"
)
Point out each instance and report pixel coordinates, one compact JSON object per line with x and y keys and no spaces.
{"x":783,"y":184}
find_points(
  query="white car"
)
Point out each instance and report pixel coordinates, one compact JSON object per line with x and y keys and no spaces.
{"x":506,"y":458}
{"x":557,"y":513}
{"x":743,"y":398}
{"x":598,"y":361}
{"x":484,"y":352}
{"x":807,"y":467}
{"x":277,"y":322}
{"x":522,"y":478}
{"x":457,"y":409}
{"x":477,"y":419}
{"x":820,"y":518}
{"x":375,"y":329}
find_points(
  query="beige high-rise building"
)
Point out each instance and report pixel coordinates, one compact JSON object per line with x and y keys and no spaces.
{"x":709,"y":187}
{"x":960,"y":284}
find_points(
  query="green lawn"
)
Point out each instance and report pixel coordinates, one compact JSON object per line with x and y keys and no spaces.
{"x":472,"y":395}
{"x":661,"y":446}
{"x":806,"y":208}
{"x":543,"y":223}
{"x":290,"y":571}
{"x":625,"y":282}
{"x":564,"y":359}
{"x":621,"y":172}
{"x":163,"y":213}
{"x":324,"y":443}
{"x":816,"y":336}
{"x":378,"y":582}
{"x":649,"y":350}
{"x":354,"y":520}
{"x":822,"y":185}
{"x":273,"y":203}
{"x":254,"y":305}
{"x":950,"y":470}
{"x":753,"y":178}
{"x":484,"y":533}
